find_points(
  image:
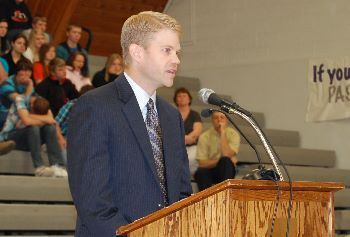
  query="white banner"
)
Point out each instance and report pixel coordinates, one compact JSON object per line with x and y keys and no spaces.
{"x":329,"y":89}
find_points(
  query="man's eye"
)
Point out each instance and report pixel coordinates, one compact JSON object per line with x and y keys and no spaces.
{"x":167,"y":50}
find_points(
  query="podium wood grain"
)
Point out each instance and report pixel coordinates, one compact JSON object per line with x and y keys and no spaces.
{"x":244,"y":208}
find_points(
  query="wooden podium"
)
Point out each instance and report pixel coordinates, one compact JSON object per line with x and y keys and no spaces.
{"x":244,"y":208}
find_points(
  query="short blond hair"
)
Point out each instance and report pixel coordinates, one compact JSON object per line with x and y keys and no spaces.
{"x":139,"y":28}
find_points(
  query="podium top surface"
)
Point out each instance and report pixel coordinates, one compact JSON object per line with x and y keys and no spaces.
{"x":231,"y":184}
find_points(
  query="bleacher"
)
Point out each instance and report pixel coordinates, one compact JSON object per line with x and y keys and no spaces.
{"x":32,"y":206}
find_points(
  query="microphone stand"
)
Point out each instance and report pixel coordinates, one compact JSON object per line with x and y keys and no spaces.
{"x":247,"y":117}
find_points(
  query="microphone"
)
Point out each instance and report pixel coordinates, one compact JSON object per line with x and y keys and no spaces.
{"x":208,"y":96}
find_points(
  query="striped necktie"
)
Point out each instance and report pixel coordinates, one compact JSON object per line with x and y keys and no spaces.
{"x":155,"y":136}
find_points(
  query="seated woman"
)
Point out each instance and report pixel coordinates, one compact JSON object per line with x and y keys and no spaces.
{"x":114,"y":67}
{"x":18,"y":46}
{"x":36,"y":40}
{"x":47,"y":53}
{"x":76,"y":70}
{"x":192,"y":122}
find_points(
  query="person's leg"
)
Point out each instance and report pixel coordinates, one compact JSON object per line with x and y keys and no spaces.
{"x":48,"y":133}
{"x":204,"y":178}
{"x":224,"y":169}
{"x":54,"y":152}
{"x":28,"y":139}
{"x":3,"y":116}
{"x":6,"y":147}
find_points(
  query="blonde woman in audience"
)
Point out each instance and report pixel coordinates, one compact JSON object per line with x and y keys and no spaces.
{"x":192,"y":122}
{"x":76,"y":70}
{"x":36,"y":40}
{"x":47,"y":53}
{"x":114,"y":66}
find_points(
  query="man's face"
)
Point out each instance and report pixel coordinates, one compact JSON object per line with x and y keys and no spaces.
{"x":60,"y":73}
{"x":23,"y":77}
{"x":218,"y":119}
{"x":159,"y":60}
{"x":3,"y":28}
{"x":40,"y":25}
{"x":74,"y":34}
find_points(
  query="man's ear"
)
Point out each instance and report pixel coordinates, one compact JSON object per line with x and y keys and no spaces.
{"x":136,"y":52}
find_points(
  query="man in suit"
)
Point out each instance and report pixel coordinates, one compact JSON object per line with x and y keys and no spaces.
{"x":127,"y":159}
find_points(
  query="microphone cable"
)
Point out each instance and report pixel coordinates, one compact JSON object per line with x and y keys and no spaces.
{"x":289,"y":178}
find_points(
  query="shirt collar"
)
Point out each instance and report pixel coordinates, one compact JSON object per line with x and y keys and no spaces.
{"x":142,"y":96}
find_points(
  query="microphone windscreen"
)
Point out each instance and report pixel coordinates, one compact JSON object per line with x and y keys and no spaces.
{"x":204,"y":94}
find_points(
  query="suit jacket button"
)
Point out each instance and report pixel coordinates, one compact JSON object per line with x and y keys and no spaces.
{"x":159,"y":205}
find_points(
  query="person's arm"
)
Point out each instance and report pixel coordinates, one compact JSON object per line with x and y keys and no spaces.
{"x":89,"y":169}
{"x":46,"y":118}
{"x":60,"y":138}
{"x":192,"y":137}
{"x":3,"y":74}
{"x":26,"y":119}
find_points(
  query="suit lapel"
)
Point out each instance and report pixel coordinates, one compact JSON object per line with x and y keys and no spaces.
{"x":134,"y":117}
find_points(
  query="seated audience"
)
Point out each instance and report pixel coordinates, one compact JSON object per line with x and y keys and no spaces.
{"x":19,"y":83}
{"x":18,"y":16}
{"x":56,"y":88}
{"x":63,"y":116}
{"x":217,"y":153}
{"x":4,"y":43}
{"x":47,"y":53}
{"x":32,"y":129}
{"x":18,"y":46}
{"x":36,"y":40}
{"x":192,"y":122}
{"x":39,"y":23}
{"x":76,"y":70}
{"x":114,"y":66}
{"x":71,"y":45}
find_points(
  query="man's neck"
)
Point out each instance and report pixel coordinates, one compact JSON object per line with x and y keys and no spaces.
{"x":138,"y":79}
{"x":71,"y":44}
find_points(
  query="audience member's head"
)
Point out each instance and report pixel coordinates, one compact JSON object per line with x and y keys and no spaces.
{"x":218,"y":119}
{"x":73,"y":33}
{"x":40,"y":105}
{"x":3,"y":27}
{"x":57,"y":68}
{"x":23,"y":71}
{"x":77,"y":61}
{"x":47,"y":52}
{"x":19,"y":43}
{"x":85,"y":89}
{"x":182,"y":97}
{"x":114,"y":65}
{"x":139,"y":29}
{"x":36,"y":39}
{"x":39,"y":23}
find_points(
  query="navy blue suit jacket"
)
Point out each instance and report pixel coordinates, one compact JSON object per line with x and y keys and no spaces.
{"x":111,"y":169}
